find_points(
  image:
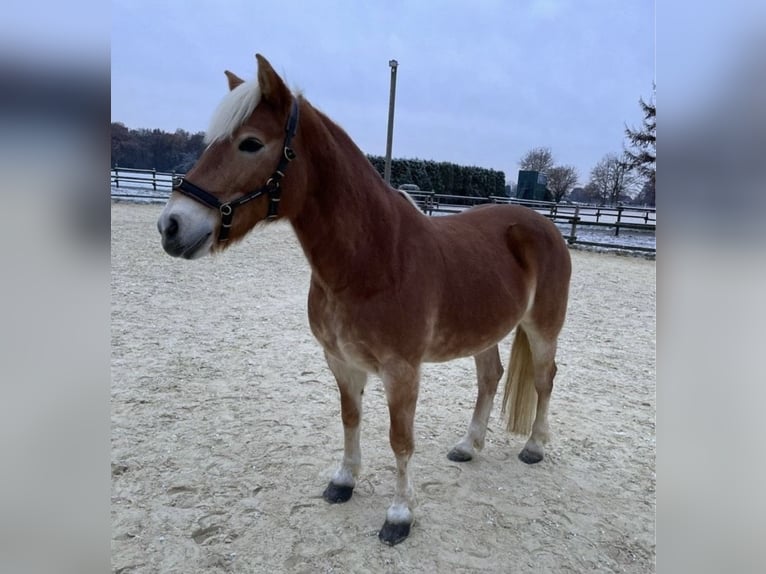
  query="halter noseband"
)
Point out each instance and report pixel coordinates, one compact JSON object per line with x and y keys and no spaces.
{"x":271,"y":187}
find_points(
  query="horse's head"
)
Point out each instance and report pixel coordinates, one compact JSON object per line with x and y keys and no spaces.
{"x":244,"y":176}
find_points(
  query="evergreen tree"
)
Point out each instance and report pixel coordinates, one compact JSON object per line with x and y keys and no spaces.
{"x":642,"y":152}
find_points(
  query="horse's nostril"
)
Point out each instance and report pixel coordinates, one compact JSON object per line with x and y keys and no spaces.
{"x":172,"y":229}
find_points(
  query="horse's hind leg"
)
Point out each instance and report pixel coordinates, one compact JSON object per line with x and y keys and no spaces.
{"x":351,"y":383}
{"x":489,"y":369}
{"x":544,"y":366}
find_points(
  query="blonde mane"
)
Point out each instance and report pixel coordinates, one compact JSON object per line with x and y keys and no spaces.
{"x":408,"y":197}
{"x":233,"y":110}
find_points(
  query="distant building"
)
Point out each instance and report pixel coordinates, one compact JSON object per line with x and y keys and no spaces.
{"x":533,"y":185}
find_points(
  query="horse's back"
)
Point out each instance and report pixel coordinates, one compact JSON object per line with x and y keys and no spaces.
{"x":531,"y":238}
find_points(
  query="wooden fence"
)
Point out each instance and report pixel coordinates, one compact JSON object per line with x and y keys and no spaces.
{"x":571,"y":215}
{"x":149,"y":185}
{"x":146,"y":184}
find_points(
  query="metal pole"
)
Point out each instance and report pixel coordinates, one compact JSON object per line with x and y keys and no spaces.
{"x":392,"y":98}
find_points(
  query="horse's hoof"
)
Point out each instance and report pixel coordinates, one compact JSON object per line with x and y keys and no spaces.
{"x":529,"y":457}
{"x":456,"y":455}
{"x":393,"y":533}
{"x":335,"y":494}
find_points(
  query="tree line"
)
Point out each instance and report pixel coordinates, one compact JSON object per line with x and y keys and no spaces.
{"x":155,"y":149}
{"x":627,"y":177}
{"x":443,"y":177}
{"x":177,"y":151}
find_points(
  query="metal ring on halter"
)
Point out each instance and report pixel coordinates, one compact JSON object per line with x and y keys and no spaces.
{"x":225,"y":209}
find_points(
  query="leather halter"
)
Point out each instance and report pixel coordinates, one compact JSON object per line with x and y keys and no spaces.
{"x":271,"y":187}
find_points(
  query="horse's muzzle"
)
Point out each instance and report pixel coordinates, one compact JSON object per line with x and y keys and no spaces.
{"x":181,"y":238}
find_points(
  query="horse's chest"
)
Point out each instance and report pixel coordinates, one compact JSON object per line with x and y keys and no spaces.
{"x":339,"y":329}
{"x":327,"y":319}
{"x":331,"y":322}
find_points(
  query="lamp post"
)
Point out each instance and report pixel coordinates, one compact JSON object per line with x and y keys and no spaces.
{"x":392,"y":98}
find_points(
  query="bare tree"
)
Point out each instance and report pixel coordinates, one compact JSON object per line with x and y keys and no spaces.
{"x":561,"y":179}
{"x":646,"y":196}
{"x":613,"y":179}
{"x":537,"y":159}
{"x":590,"y":193}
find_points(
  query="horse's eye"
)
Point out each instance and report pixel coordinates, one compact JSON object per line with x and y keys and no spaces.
{"x":250,"y":145}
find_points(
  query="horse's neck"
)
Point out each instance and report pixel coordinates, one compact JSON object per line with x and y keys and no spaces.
{"x":349,"y":219}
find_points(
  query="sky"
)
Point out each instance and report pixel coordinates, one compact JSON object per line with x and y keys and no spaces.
{"x":478,"y":83}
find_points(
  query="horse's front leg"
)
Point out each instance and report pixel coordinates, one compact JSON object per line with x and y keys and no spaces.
{"x":351,"y":382}
{"x":401,"y":383}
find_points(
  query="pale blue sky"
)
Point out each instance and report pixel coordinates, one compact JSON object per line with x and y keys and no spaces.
{"x":479,"y":83}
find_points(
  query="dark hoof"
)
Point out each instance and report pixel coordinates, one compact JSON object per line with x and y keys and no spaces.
{"x":530,"y":457}
{"x":456,"y":455}
{"x":393,"y":533}
{"x":335,"y":494}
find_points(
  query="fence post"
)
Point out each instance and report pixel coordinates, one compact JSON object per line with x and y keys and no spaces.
{"x":154,"y":179}
{"x":619,"y":216}
{"x":573,"y":234}
{"x":116,"y":176}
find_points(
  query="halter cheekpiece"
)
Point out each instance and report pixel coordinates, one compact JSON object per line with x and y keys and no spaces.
{"x":271,"y":187}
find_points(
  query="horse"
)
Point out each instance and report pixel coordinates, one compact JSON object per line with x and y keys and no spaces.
{"x":391,"y":288}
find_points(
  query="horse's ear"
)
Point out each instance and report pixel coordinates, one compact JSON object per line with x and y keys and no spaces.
{"x":233,"y":79}
{"x":273,"y":89}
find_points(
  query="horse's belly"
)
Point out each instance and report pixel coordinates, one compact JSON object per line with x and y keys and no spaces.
{"x":447,"y":345}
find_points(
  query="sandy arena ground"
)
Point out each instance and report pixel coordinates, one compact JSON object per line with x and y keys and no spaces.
{"x":226,"y":428}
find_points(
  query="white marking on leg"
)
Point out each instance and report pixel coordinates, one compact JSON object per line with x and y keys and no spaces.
{"x":540,"y":432}
{"x":477,"y":430}
{"x":348,"y":470}
{"x":351,"y":382}
{"x":488,"y":372}
{"x":399,"y":514}
{"x":400,"y":511}
{"x":543,"y":353}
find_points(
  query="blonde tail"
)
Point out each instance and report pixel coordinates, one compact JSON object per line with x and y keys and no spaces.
{"x":520,"y":396}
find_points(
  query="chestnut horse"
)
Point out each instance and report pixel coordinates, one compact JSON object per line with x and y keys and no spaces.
{"x":391,"y":288}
